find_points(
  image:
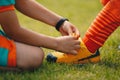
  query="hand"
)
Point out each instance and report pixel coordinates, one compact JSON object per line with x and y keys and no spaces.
{"x":68,"y":44}
{"x":68,"y":29}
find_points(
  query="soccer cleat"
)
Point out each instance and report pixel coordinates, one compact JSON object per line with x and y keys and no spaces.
{"x":83,"y":56}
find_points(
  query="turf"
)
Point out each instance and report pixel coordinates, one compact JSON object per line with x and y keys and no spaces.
{"x":81,"y":13}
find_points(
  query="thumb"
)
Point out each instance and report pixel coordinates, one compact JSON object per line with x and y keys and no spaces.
{"x":74,"y":35}
{"x":70,"y":32}
{"x":74,"y":52}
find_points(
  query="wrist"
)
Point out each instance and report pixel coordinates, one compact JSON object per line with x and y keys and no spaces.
{"x":56,"y":46}
{"x":59,"y":23}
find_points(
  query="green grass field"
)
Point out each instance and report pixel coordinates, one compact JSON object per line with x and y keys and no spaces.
{"x":81,"y":13}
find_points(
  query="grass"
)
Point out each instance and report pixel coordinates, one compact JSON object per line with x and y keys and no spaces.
{"x":81,"y":13}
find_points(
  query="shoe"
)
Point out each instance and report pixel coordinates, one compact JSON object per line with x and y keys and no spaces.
{"x":83,"y":56}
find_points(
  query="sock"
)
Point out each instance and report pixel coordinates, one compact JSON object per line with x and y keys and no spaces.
{"x":103,"y":26}
{"x":104,"y":2}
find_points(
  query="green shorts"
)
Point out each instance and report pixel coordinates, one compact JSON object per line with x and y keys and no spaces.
{"x":6,"y":2}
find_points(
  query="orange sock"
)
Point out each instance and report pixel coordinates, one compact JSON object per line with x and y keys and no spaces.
{"x":104,"y":2}
{"x":103,"y":26}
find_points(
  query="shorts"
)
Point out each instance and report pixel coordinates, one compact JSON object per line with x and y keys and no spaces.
{"x":7,"y":51}
{"x":6,"y":5}
{"x":7,"y":2}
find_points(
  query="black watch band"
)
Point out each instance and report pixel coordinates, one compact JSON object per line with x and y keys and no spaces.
{"x":60,"y":22}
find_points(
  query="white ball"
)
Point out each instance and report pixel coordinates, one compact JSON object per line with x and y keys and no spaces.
{"x":119,"y":47}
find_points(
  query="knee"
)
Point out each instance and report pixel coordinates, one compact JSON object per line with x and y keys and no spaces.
{"x":37,"y":60}
{"x":33,"y":61}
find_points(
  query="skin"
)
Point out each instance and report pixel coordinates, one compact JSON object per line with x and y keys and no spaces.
{"x":29,"y":42}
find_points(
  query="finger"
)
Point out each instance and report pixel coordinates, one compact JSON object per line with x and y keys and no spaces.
{"x":74,"y":52}
{"x":70,"y":32}
{"x":77,"y":42}
{"x":63,"y":33}
{"x":77,"y":33}
{"x":77,"y":47}
{"x":74,"y":36}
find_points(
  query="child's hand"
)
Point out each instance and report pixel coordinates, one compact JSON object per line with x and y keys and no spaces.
{"x":68,"y":44}
{"x":68,"y":29}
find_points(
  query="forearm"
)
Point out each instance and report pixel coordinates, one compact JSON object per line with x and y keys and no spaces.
{"x":12,"y":28}
{"x":10,"y":24}
{"x":33,"y":38}
{"x":37,"y":11}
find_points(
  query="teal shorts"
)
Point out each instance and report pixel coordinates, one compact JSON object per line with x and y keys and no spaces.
{"x":7,"y":2}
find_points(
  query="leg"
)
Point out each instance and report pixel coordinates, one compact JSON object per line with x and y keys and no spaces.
{"x":28,"y":56}
{"x":18,"y":55}
{"x":106,"y":22}
{"x":104,"y":2}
